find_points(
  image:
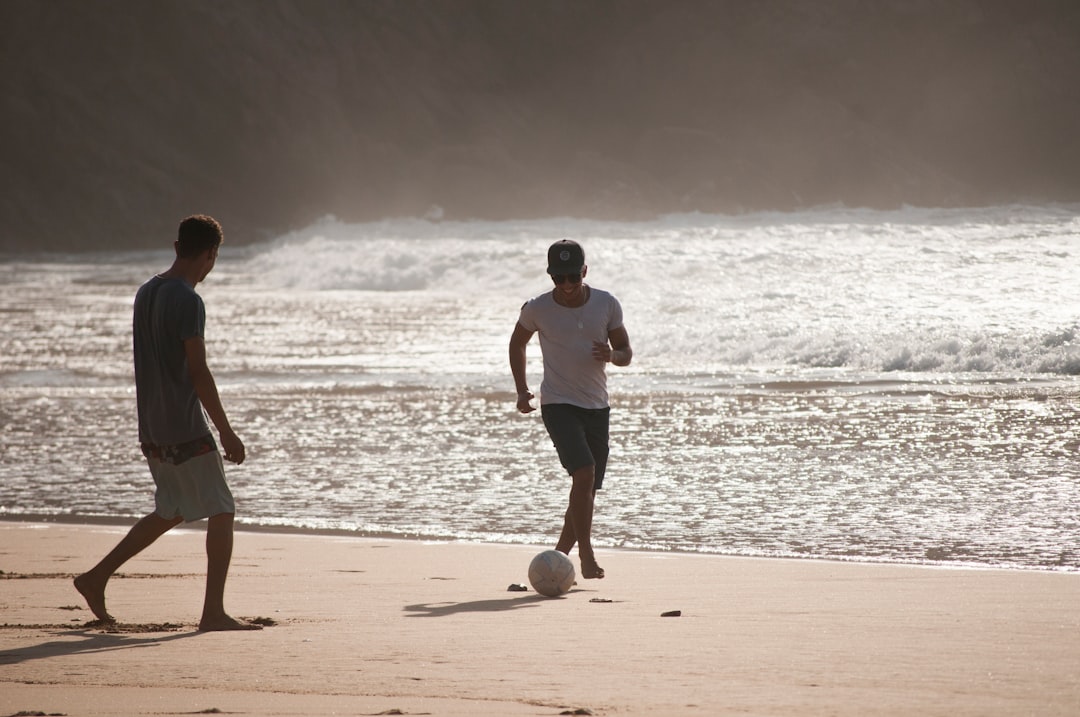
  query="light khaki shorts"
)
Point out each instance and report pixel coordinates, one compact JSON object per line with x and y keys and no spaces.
{"x":193,"y":490}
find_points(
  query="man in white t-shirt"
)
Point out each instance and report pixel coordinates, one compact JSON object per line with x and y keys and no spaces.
{"x":581,"y":331}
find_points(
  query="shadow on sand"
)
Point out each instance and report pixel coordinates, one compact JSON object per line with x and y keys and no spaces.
{"x":92,"y":641}
{"x":442,"y":609}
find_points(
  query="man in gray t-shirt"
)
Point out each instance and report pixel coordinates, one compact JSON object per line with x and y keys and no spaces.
{"x":168,"y":312}
{"x":581,"y":331}
{"x":174,"y":386}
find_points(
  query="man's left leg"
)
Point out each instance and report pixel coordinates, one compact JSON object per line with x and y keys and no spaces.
{"x":219,"y":545}
{"x":580,"y":514}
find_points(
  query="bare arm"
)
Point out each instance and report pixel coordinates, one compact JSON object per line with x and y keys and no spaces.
{"x":617,"y":350}
{"x":206,"y":390}
{"x":518,"y":341}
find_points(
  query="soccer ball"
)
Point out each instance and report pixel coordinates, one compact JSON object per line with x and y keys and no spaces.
{"x":551,"y":573}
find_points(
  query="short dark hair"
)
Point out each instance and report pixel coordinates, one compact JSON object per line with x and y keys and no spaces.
{"x":198,"y":233}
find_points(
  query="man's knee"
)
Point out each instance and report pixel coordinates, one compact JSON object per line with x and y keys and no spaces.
{"x":220,"y":520}
{"x":584,"y":477}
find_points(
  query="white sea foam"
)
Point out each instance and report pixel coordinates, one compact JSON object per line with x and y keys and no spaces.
{"x":938,"y":291}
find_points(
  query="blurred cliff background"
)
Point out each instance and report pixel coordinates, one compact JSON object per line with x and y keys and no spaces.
{"x":121,"y":116}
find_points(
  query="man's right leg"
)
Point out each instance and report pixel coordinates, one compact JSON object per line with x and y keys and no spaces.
{"x":568,"y":538}
{"x":92,"y":583}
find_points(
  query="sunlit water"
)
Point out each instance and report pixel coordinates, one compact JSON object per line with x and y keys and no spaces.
{"x":896,"y":386}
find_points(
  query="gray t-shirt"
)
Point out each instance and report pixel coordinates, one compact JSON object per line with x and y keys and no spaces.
{"x":571,"y":374}
{"x":167,"y":312}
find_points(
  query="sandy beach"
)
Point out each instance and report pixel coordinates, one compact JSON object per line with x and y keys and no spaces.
{"x":357,"y":626}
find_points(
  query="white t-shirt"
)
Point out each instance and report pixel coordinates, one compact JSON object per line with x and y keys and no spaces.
{"x":571,"y":374}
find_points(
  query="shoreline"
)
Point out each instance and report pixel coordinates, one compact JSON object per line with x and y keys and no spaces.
{"x":114,"y":522}
{"x":368,"y":625}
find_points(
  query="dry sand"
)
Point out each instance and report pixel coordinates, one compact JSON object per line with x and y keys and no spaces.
{"x":367,"y":626}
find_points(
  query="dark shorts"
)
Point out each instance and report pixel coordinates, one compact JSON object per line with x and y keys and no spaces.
{"x":580,"y":436}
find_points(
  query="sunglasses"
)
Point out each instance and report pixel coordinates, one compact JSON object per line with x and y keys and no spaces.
{"x":572,"y":278}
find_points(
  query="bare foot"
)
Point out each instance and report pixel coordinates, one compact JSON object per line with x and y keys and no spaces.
{"x":94,"y":594}
{"x":590,"y":570}
{"x":223,"y":623}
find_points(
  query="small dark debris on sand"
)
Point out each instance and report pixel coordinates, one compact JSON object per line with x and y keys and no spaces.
{"x":123,"y":628}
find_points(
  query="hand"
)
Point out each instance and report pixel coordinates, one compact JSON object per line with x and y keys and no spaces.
{"x":524,"y":401}
{"x":232,"y":447}
{"x":601,"y":351}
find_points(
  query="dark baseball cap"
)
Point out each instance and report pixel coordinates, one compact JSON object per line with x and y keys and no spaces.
{"x":565,"y":257}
